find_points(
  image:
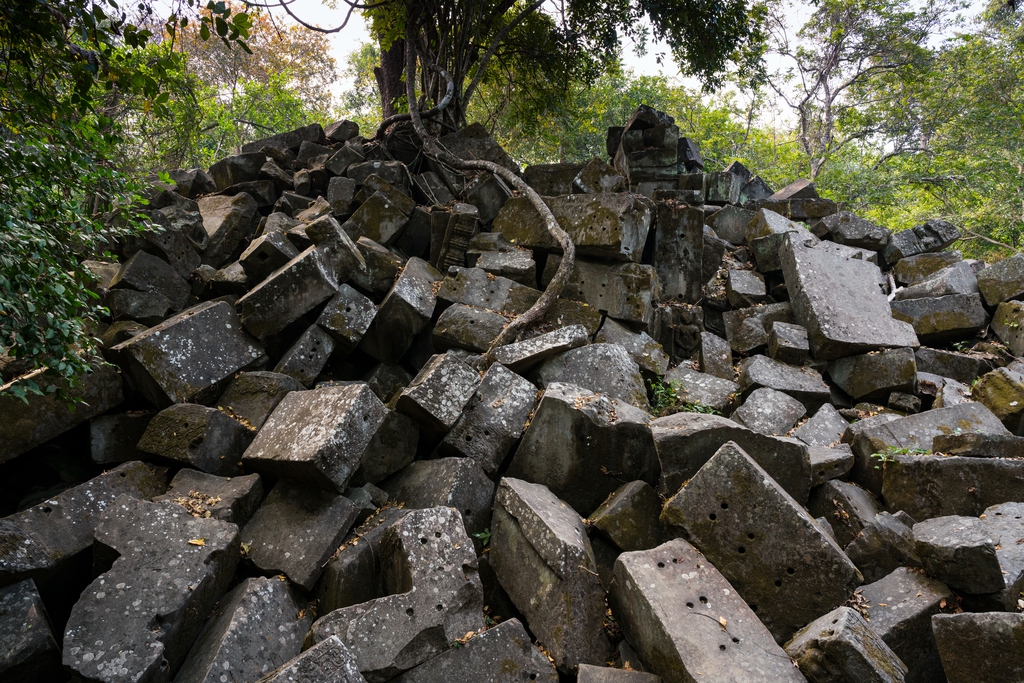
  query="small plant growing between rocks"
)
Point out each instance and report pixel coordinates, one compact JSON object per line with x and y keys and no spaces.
{"x":669,"y":397}
{"x":890,"y":453}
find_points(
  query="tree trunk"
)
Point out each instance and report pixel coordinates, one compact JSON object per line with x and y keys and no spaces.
{"x":389,"y":76}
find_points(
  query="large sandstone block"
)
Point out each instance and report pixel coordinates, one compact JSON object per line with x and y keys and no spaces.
{"x":170,"y":570}
{"x":837,"y":300}
{"x":581,"y":445}
{"x":841,"y":646}
{"x":783,"y":564}
{"x":318,"y":436}
{"x":436,"y":396}
{"x":329,"y":661}
{"x":543,"y":559}
{"x":602,"y":368}
{"x":625,"y":291}
{"x":190,"y":357}
{"x":606,"y":226}
{"x":288,"y":293}
{"x":926,"y":486}
{"x":980,"y":647}
{"x":403,"y":314}
{"x":27,"y":643}
{"x":203,"y":437}
{"x":943,"y":319}
{"x":227,"y":221}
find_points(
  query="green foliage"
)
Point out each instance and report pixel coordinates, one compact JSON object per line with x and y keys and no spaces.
{"x":68,"y":66}
{"x":669,"y":397}
{"x":890,"y":453}
{"x":484,"y":536}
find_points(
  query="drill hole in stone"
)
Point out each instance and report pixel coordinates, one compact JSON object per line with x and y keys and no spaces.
{"x":423,"y":540}
{"x":722,"y":648}
{"x":790,"y":571}
{"x":778,"y":583}
{"x":409,"y":611}
{"x":750,"y":536}
{"x":437,"y":534}
{"x":439,"y":608}
{"x":725,"y":505}
{"x":735,"y":640}
{"x":712,"y":516}
{"x":703,"y":600}
{"x":690,"y":605}
{"x":661,"y":565}
{"x":741,"y":550}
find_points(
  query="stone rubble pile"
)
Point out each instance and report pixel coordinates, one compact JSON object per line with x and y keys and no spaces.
{"x":756,"y":438}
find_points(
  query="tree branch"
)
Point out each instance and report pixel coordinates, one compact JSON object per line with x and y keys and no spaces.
{"x":495,"y":42}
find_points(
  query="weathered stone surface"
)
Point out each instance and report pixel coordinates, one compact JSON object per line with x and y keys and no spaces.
{"x":557,"y":449}
{"x":747,"y":328}
{"x":329,"y":661}
{"x":170,"y":570}
{"x":502,"y":654}
{"x":601,"y":368}
{"x":543,"y":559}
{"x":475,"y":287}
{"x":1003,"y":523}
{"x":1008,"y":324}
{"x":30,"y":651}
{"x":830,"y":463}
{"x":1002,"y":391}
{"x":466,"y":327}
{"x":551,"y":180}
{"x":715,"y":356}
{"x":848,"y":508}
{"x":930,"y":236}
{"x":424,"y":610}
{"x":148,"y":308}
{"x":883,"y":546}
{"x":979,"y":445}
{"x":239,"y":168}
{"x":38,"y":419}
{"x":265,"y":254}
{"x":679,"y":251}
{"x":293,"y":290}
{"x":770,"y":412}
{"x":825,"y":428}
{"x":523,"y":355}
{"x":252,"y":396}
{"x":296,"y":530}
{"x":437,"y":395}
{"x":515,"y":264}
{"x":840,"y":646}
{"x":382,"y":267}
{"x":960,"y":552}
{"x":147,"y":273}
{"x":914,"y":269}
{"x":1003,"y":281}
{"x":686,"y":441}
{"x":849,"y":229}
{"x":766,"y":222}
{"x":318,"y":436}
{"x":456,"y":482}
{"x":205,"y":438}
{"x":306,"y":358}
{"x":588,"y":673}
{"x":403,"y":314}
{"x":622,"y":291}
{"x":803,"y":384}
{"x":762,"y":541}
{"x":873,"y":376}
{"x":745,"y":288}
{"x":958,"y":278}
{"x":379,"y":218}
{"x":927,"y":486}
{"x":647,"y":353}
{"x":227,"y":221}
{"x":730,"y":223}
{"x":899,"y":609}
{"x":167,"y":366}
{"x":980,"y":647}
{"x":120,"y":331}
{"x":231,"y":499}
{"x":289,"y":140}
{"x":493,"y":419}
{"x":255,"y":630}
{"x":688,"y":623}
{"x":607,"y":226}
{"x":702,"y":389}
{"x":942,"y":319}
{"x":838,"y":303}
{"x":112,"y":438}
{"x":722,"y":187}
{"x":629,"y":517}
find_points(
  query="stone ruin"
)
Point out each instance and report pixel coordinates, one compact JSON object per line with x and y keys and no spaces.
{"x":756,"y":438}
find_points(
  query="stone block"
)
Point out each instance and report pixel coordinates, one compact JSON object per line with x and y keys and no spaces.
{"x":501,"y":654}
{"x":745,"y":288}
{"x":1008,"y":324}
{"x":846,"y":506}
{"x":306,"y":358}
{"x":235,"y":169}
{"x":39,"y":541}
{"x":1003,"y":281}
{"x":252,"y":396}
{"x":722,"y":187}
{"x":437,"y":395}
{"x":148,"y":308}
{"x":524,"y":355}
{"x":30,"y":650}
{"x":629,"y":517}
{"x":290,"y":292}
{"x":455,"y":482}
{"x":580,"y":445}
{"x":803,"y":384}
{"x":296,"y":530}
{"x":770,"y":412}
{"x":147,"y":273}
{"x":851,"y":230}
{"x":1003,"y":523}
{"x":914,"y":269}
{"x":647,"y":353}
{"x":840,"y":646}
{"x":493,"y":419}
{"x":825,"y":428}
{"x":958,"y":278}
{"x":883,"y":546}
{"x":403,"y":314}
{"x":112,"y":438}
{"x":318,"y":436}
{"x":475,"y":287}
{"x":205,"y":438}
{"x":227,"y":221}
{"x":289,"y":140}
{"x":328,"y":661}
{"x":625,"y":292}
{"x":747,"y":328}
{"x":601,"y":368}
{"x":466,"y":327}
{"x":265,"y":254}
{"x":231,"y":499}
{"x":686,"y":442}
{"x":255,"y":630}
{"x":979,"y":445}
{"x":930,"y":236}
{"x":551,"y":180}
{"x":980,"y":647}
{"x":778,"y":558}
{"x":1002,"y":392}
{"x":686,"y":620}
{"x":927,"y":486}
{"x":943,"y":319}
{"x":378,"y":218}
{"x":382,"y":267}
{"x":798,"y":209}
{"x":171,"y":569}
{"x":839,"y":304}
{"x":516,"y":264}
{"x":602,"y":226}
{"x":679,"y":251}
{"x":730,"y":223}
{"x":38,"y":419}
{"x":899,"y":609}
{"x":873,"y":376}
{"x":543,"y":560}
{"x":960,"y":552}
{"x":830,"y":463}
{"x":424,"y":609}
{"x":702,"y":389}
{"x":392,"y":447}
{"x":715,"y":356}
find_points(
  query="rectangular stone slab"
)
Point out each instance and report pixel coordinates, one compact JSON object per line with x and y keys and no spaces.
{"x":688,"y":623}
{"x":294,"y":289}
{"x":926,"y":486}
{"x":190,"y":357}
{"x":837,"y":300}
{"x":783,"y":564}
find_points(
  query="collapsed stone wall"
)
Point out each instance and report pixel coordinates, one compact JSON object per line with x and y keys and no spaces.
{"x":753,"y":431}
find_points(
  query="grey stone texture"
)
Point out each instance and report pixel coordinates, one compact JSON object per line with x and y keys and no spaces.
{"x":841,"y":647}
